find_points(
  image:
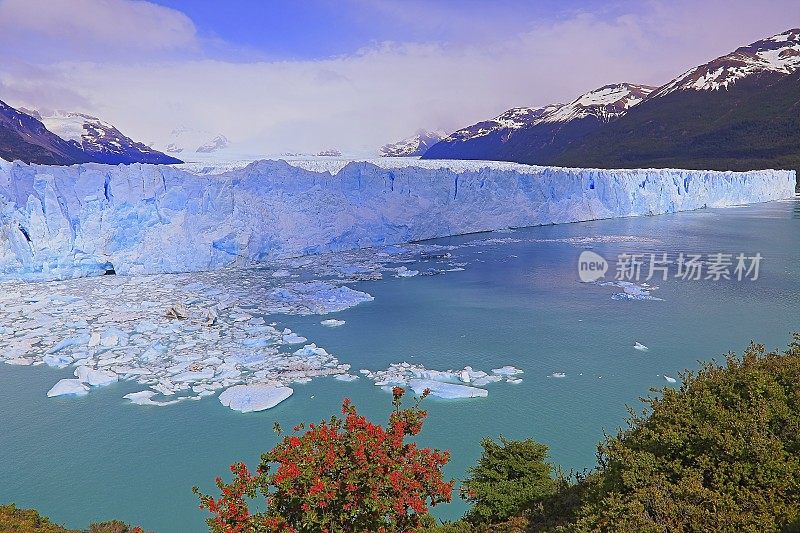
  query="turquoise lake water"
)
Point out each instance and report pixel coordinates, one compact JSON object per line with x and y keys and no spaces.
{"x":99,"y":457}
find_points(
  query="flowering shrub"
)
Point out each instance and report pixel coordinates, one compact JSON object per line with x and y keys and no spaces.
{"x":341,"y":475}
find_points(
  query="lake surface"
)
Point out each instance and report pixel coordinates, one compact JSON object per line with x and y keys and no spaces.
{"x":518,"y":302}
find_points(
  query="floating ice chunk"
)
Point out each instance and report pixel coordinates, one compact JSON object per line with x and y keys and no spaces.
{"x":145,"y":398}
{"x":94,"y":339}
{"x":58,"y":360}
{"x":641,"y":347}
{"x":109,"y":340}
{"x":65,"y":387}
{"x":447,"y":390}
{"x":346,"y":377}
{"x":670,"y":379}
{"x":193,"y":375}
{"x":210,"y":317}
{"x":332,"y":323}
{"x":515,"y":381}
{"x":558,"y":375}
{"x":96,"y":378}
{"x":507,"y":371}
{"x":631,"y":291}
{"x":464,"y":376}
{"x":293,"y":338}
{"x":257,"y":397}
{"x":311,"y":349}
{"x":485,"y":380}
{"x":70,"y":341}
{"x":20,"y":361}
{"x":404,"y":272}
{"x":178,"y":311}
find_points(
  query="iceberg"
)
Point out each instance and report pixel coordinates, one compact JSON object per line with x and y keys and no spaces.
{"x":670,"y":379}
{"x":95,"y":378}
{"x":310,"y":350}
{"x":256,"y":397}
{"x":59,"y":222}
{"x":145,"y":397}
{"x":404,"y":272}
{"x":68,"y":387}
{"x":446,"y":390}
{"x":58,"y":360}
{"x":641,"y":347}
{"x":507,"y":371}
{"x":332,"y":323}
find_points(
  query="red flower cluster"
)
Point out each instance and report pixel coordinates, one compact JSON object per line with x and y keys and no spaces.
{"x":342,"y":475}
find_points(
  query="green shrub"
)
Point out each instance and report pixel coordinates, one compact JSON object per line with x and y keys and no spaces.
{"x":720,"y":454}
{"x":511,"y":477}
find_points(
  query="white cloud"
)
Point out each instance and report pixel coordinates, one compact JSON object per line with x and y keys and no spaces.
{"x":389,"y":90}
{"x":94,"y":28}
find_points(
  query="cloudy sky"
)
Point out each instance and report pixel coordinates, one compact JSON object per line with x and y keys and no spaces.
{"x":308,"y":75}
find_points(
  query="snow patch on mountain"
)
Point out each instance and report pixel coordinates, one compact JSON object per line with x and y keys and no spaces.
{"x":606,"y":103}
{"x":778,"y":54}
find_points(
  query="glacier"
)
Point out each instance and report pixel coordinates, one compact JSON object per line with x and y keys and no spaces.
{"x":62,"y":222}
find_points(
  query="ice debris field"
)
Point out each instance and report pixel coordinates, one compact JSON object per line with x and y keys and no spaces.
{"x":61,"y":222}
{"x":187,"y":336}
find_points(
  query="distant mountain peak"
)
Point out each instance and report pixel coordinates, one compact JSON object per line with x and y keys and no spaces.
{"x":778,"y":54}
{"x":604,"y":103}
{"x":185,"y":139}
{"x":99,"y":139}
{"x":513,"y":119}
{"x":413,"y":146}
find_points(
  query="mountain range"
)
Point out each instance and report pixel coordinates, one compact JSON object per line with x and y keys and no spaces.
{"x":545,"y":131}
{"x":740,"y":111}
{"x":65,"y":138}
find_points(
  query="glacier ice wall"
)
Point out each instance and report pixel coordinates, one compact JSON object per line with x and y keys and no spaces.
{"x":64,"y":222}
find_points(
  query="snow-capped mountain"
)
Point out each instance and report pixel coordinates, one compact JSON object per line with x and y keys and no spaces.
{"x":547,"y":129}
{"x":100,"y":140}
{"x":413,"y":146}
{"x":217,"y":143}
{"x":605,"y":104}
{"x":505,"y":123}
{"x":736,"y":112}
{"x":779,"y":54}
{"x":183,"y":140}
{"x":23,"y":137}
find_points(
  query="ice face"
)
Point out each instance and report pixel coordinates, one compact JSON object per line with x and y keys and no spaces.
{"x":84,"y":220}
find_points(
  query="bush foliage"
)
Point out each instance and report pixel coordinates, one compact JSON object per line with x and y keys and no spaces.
{"x":511,"y":477}
{"x":342,"y":475}
{"x":722,"y":453}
